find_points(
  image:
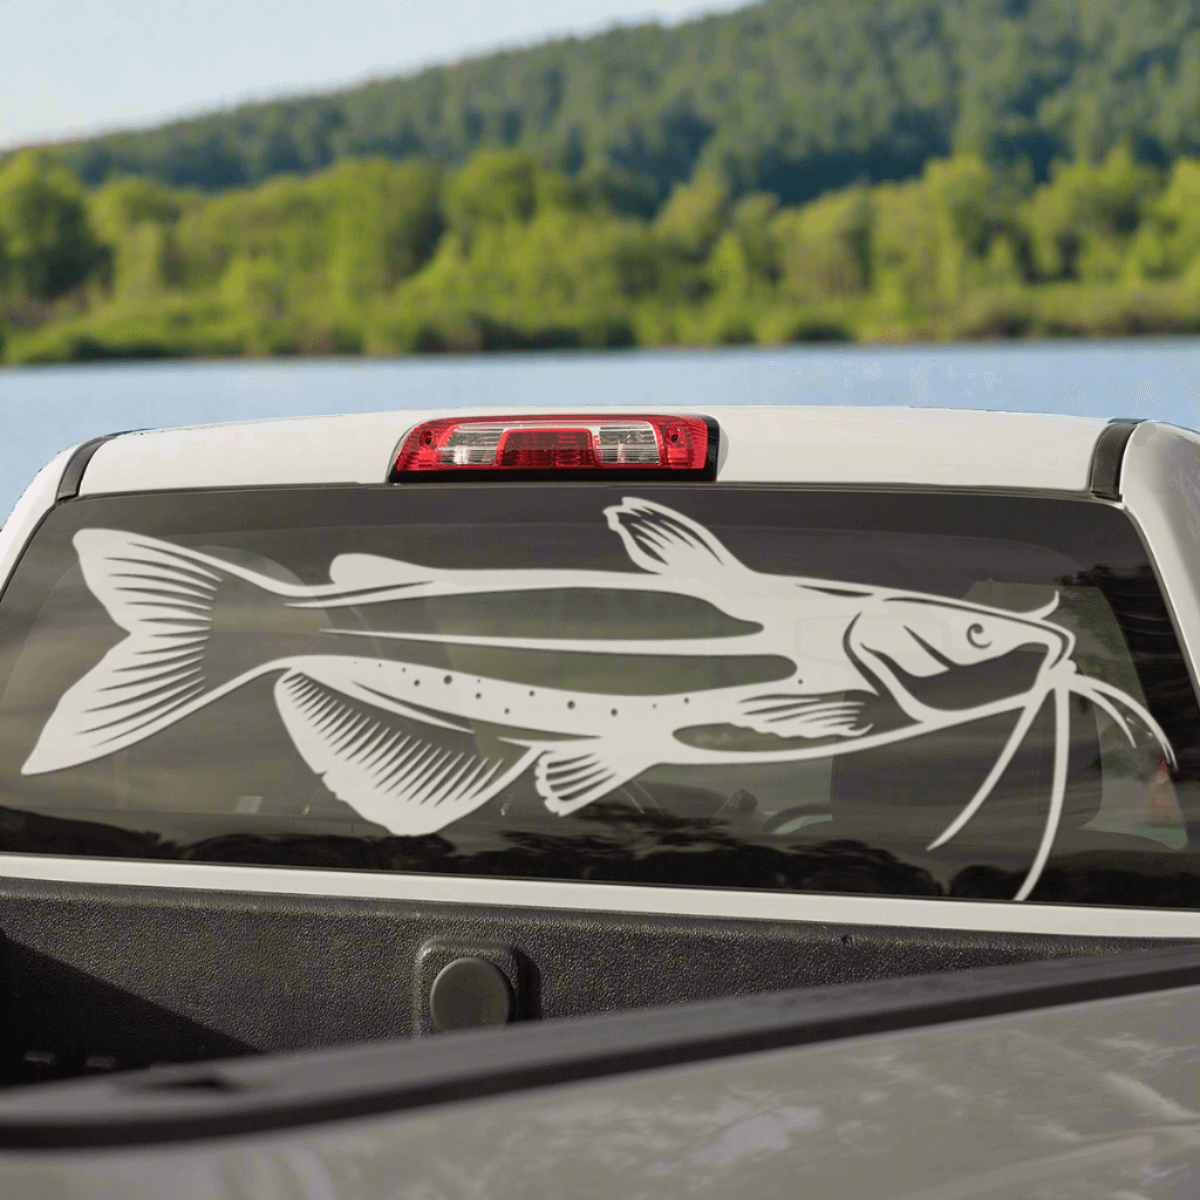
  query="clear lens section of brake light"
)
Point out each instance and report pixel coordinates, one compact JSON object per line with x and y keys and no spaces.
{"x":571,"y":443}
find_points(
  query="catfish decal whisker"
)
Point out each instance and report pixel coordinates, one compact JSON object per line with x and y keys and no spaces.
{"x":799,"y":667}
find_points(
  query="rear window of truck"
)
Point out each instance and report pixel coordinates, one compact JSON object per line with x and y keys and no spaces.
{"x":724,"y":686}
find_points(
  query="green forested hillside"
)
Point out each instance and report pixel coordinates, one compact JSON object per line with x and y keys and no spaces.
{"x":798,"y":170}
{"x":791,"y":97}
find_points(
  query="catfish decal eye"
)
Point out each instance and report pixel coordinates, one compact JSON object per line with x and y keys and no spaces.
{"x":414,"y":747}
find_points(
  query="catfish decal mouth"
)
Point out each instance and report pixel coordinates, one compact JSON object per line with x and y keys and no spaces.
{"x":415,"y":723}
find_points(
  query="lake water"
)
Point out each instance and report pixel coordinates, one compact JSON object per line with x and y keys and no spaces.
{"x":44,"y":409}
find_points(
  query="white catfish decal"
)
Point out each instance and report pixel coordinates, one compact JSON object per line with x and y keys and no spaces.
{"x":365,"y":690}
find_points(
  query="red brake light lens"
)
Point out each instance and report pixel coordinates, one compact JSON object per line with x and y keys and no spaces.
{"x":537,"y":446}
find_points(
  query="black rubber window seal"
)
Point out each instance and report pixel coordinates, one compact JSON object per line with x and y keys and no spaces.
{"x":1107,"y":456}
{"x":72,"y":476}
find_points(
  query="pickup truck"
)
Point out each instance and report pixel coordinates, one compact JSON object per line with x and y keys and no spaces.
{"x":328,"y":731}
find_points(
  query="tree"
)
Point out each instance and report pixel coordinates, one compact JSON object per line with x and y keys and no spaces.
{"x":826,"y":248}
{"x":744,"y":263}
{"x":694,"y":216}
{"x":1168,"y":240}
{"x":980,"y":240}
{"x":47,"y":246}
{"x":387,"y":220}
{"x":1083,"y":221}
{"x":137,"y":219}
{"x":497,"y":187}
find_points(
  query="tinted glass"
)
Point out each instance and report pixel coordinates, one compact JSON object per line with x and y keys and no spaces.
{"x":705,"y":685}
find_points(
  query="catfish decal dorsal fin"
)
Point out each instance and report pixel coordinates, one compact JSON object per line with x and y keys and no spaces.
{"x":571,"y":775}
{"x":664,"y":542}
{"x":802,"y":716}
{"x":408,"y":774}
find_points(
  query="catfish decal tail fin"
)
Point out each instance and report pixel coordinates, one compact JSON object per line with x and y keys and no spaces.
{"x":162,"y":596}
{"x":664,"y":542}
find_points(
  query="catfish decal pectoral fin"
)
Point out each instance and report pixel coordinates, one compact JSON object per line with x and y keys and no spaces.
{"x":387,"y":761}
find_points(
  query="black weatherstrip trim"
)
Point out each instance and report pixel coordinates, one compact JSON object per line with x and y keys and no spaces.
{"x":285,"y":1091}
{"x":72,"y":476}
{"x":1109,"y":451}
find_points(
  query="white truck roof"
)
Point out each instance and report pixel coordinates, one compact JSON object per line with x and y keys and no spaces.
{"x":793,"y":444}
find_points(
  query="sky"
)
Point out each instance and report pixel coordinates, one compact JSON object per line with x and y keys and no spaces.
{"x":75,"y":67}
